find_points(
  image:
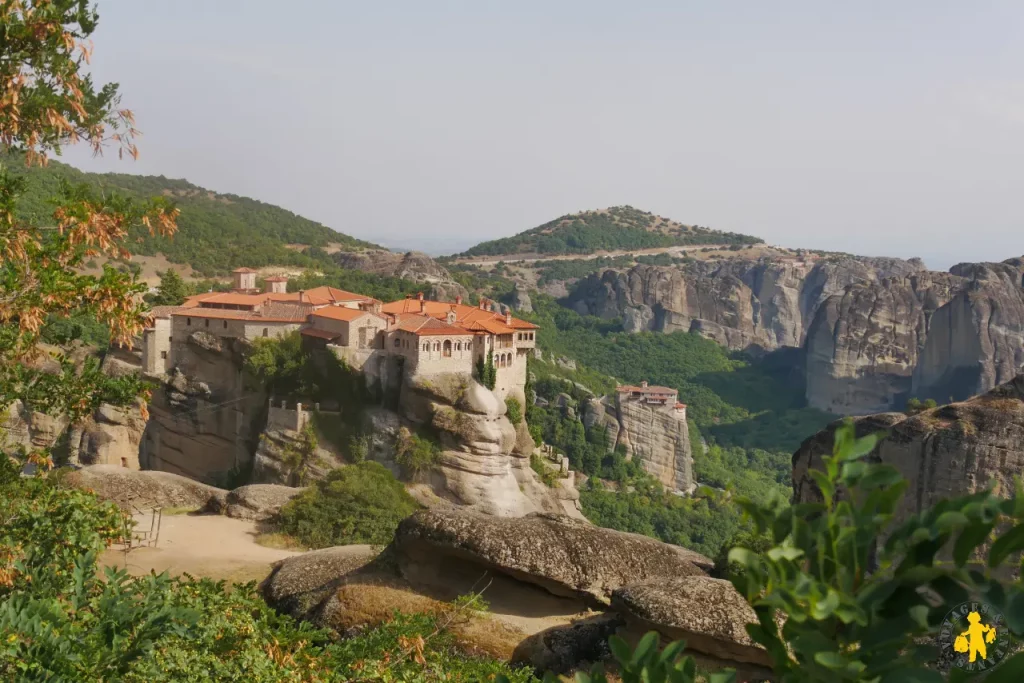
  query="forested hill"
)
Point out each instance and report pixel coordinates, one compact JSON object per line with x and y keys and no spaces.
{"x":617,"y":228}
{"x":216,"y":232}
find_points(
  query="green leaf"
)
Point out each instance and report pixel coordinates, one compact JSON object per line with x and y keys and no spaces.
{"x":620,"y":649}
{"x":647,"y":645}
{"x":1005,"y":545}
{"x":1015,"y":611}
{"x":917,"y":675}
{"x":947,"y":521}
{"x":830,"y":659}
{"x":1010,"y":671}
{"x":969,"y":539}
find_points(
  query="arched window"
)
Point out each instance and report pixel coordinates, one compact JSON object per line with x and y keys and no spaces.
{"x":437,"y":346}
{"x":266,"y":332}
{"x":426,"y":347}
{"x":447,"y":352}
{"x":458,"y":346}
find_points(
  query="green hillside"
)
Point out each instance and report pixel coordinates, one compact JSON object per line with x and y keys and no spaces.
{"x":617,"y":228}
{"x":216,"y":232}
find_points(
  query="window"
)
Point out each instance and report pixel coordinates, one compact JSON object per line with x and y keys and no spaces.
{"x":458,"y":346}
{"x":170,"y":340}
{"x":398,"y":342}
{"x":188,"y":322}
{"x":207,"y":322}
{"x":266,"y":332}
{"x":426,"y":347}
{"x":163,"y":355}
{"x":225,"y":324}
{"x":447,"y":352}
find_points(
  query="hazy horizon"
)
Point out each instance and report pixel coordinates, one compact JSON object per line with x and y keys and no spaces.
{"x":872,"y":129}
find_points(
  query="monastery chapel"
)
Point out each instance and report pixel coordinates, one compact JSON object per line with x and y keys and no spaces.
{"x":432,"y":337}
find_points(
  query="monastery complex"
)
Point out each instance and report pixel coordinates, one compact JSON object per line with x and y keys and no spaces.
{"x":431,"y":337}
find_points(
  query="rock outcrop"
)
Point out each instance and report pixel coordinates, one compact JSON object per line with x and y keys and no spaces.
{"x":257,"y":502}
{"x":564,"y":556}
{"x":655,"y":436}
{"x":707,"y":613}
{"x":948,"y":451}
{"x":110,"y":437}
{"x":863,"y":345}
{"x":485,"y":459}
{"x":204,"y":421}
{"x":135,"y":490}
{"x":413,"y":265}
{"x":29,"y":429}
{"x":743,"y":304}
{"x":976,"y":340}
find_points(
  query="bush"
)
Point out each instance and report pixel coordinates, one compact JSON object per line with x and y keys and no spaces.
{"x":415,"y":454}
{"x":546,"y":474}
{"x":513,"y":410}
{"x":360,"y":503}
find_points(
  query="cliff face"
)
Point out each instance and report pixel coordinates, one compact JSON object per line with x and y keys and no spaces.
{"x":976,"y":340}
{"x":654,"y":436}
{"x":413,"y":265}
{"x":864,"y":343}
{"x":951,"y":450}
{"x":204,"y":421}
{"x":741,"y":304}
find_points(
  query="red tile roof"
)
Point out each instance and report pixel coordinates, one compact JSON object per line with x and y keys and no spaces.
{"x":341,"y":313}
{"x":423,"y":325}
{"x":162,"y":311}
{"x":471,"y":318}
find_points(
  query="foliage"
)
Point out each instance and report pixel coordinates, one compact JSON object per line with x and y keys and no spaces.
{"x":704,"y":523}
{"x":172,"y":290}
{"x":83,"y":327}
{"x":574,"y":269}
{"x":916,"y":405}
{"x":360,"y":503}
{"x":615,"y":229}
{"x":486,"y":372}
{"x":865,"y":597}
{"x":415,"y":453}
{"x":546,"y":474}
{"x":48,"y":103}
{"x":513,"y":410}
{"x":298,"y":458}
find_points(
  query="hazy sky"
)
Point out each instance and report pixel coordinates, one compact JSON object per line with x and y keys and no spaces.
{"x":891,"y":128}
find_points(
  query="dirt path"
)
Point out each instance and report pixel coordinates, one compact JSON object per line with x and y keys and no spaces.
{"x":692,"y":250}
{"x":202,"y":545}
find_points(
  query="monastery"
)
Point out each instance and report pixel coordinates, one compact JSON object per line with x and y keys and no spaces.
{"x":432,"y":337}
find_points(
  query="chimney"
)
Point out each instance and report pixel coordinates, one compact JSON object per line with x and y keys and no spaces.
{"x":423,"y":305}
{"x":419,"y":295}
{"x":508,"y":318}
{"x":483,"y":304}
{"x":302,"y":295}
{"x":408,"y":296}
{"x":458,"y":299}
{"x":643,"y":384}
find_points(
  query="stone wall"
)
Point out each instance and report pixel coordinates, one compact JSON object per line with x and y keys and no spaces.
{"x":156,"y":347}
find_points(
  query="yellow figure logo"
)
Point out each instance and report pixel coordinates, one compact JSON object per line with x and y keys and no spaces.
{"x":974,"y":638}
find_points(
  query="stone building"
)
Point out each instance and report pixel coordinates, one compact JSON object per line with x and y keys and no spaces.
{"x":433,"y":337}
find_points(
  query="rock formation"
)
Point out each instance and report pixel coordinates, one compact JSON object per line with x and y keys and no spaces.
{"x":976,"y":340}
{"x":485,"y":459}
{"x":135,"y":490}
{"x":413,"y":265}
{"x":256,"y":502}
{"x":948,"y":451}
{"x":204,"y":421}
{"x":653,"y":435}
{"x":864,"y":343}
{"x":707,"y":613}
{"x":566,"y":557}
{"x":742,"y":304}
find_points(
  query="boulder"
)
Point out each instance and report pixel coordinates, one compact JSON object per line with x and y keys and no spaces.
{"x":707,"y":613}
{"x":568,"y":648}
{"x":259,"y":502}
{"x":298,"y":585}
{"x":134,"y":489}
{"x":565,"y":556}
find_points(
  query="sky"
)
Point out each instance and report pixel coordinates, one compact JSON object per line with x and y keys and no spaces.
{"x":881,"y":128}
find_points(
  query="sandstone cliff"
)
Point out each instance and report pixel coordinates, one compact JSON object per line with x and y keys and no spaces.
{"x":413,"y":265}
{"x":952,"y":450}
{"x":654,"y":436}
{"x":742,"y":304}
{"x":864,"y":343}
{"x":946,"y":336}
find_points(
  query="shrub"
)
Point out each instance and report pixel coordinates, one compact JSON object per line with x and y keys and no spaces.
{"x":360,"y":503}
{"x":416,"y":454}
{"x":513,"y":410}
{"x":546,"y":474}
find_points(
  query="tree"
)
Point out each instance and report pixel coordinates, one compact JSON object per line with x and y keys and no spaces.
{"x":172,"y":290}
{"x":48,"y":103}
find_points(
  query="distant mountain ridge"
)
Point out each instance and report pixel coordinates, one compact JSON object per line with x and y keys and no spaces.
{"x":612,"y":229}
{"x":216,"y":232}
